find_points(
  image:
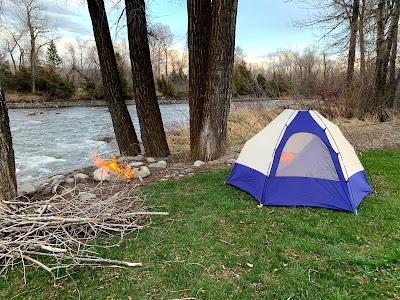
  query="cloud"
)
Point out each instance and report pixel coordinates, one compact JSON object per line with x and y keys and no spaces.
{"x":69,"y":17}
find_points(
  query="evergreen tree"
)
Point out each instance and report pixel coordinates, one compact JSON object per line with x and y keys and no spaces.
{"x":126,"y":88}
{"x":243,"y":82}
{"x":52,"y":57}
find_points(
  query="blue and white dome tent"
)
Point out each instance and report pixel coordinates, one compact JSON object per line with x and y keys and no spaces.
{"x":301,"y":159}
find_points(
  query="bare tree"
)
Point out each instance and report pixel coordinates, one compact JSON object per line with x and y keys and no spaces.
{"x":160,"y":40}
{"x":148,"y":111}
{"x":354,"y":15}
{"x":11,"y":41}
{"x":211,"y":41}
{"x":123,"y":127}
{"x":31,"y":18}
{"x":387,"y":20}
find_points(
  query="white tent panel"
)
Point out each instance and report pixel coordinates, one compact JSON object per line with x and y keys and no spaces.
{"x":258,"y":152}
{"x":347,"y":156}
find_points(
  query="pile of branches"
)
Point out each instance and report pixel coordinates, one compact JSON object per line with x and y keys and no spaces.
{"x":57,"y":233}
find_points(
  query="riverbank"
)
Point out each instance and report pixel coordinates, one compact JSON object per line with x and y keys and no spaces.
{"x":15,"y":101}
{"x":76,"y":103}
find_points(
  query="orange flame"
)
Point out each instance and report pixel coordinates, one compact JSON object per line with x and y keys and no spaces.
{"x":286,"y":158}
{"x":113,"y":165}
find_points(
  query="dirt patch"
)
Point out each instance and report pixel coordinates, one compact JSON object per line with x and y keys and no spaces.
{"x":364,"y":135}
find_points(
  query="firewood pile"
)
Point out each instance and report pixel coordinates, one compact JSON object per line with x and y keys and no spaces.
{"x":57,"y":233}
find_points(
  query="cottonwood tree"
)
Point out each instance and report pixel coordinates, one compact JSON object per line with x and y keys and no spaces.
{"x":35,"y":25}
{"x":387,"y":24}
{"x":8,"y":182}
{"x":123,"y":127}
{"x":148,"y":111}
{"x":338,"y":20}
{"x":353,"y":16}
{"x":160,"y":41}
{"x":211,"y":43}
{"x":11,"y":42}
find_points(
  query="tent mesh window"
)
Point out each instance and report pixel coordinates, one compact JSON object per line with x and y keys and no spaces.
{"x":306,"y":155}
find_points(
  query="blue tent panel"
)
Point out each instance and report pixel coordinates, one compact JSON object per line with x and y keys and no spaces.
{"x":248,"y":180}
{"x":304,"y":191}
{"x":359,"y":187}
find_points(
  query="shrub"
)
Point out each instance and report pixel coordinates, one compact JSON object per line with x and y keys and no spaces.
{"x":165,"y":86}
{"x":50,"y":83}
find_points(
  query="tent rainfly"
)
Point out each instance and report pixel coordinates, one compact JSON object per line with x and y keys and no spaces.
{"x":301,"y":159}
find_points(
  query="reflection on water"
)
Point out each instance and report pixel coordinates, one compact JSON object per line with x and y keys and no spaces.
{"x":54,"y":140}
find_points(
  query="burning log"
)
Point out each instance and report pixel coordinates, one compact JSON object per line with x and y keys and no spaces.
{"x":113,"y":165}
{"x":113,"y":171}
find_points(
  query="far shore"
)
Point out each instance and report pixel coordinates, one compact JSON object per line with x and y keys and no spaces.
{"x":25,"y":102}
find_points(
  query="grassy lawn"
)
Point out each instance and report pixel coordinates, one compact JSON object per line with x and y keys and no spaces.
{"x":217,"y":244}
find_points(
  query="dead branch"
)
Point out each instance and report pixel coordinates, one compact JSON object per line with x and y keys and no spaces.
{"x":62,"y":227}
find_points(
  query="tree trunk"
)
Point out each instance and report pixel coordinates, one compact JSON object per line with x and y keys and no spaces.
{"x":392,"y":50}
{"x":219,"y":79}
{"x":8,"y":182}
{"x":123,"y":127}
{"x":210,"y":130}
{"x":396,"y":100}
{"x":148,"y":111}
{"x":391,"y":37}
{"x":32,"y":55}
{"x":166,"y":63}
{"x":362,"y":41}
{"x":353,"y":41}
{"x":199,"y":29}
{"x":380,"y":76}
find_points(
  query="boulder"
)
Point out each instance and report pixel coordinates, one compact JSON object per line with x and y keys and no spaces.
{"x":138,"y":157}
{"x":198,"y":163}
{"x":142,"y":172}
{"x":162,"y":164}
{"x":52,"y":188}
{"x":40,"y":187}
{"x":101,"y":174}
{"x":57,"y":177}
{"x":80,"y":176}
{"x":69,"y":180}
{"x":125,"y":158}
{"x":26,"y":189}
{"x":150,"y":160}
{"x":47,"y":190}
{"x":135,"y":164}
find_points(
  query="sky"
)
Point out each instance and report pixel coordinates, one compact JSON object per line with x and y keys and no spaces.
{"x":262,"y":28}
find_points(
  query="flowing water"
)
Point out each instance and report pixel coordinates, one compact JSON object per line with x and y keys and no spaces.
{"x":55,"y":140}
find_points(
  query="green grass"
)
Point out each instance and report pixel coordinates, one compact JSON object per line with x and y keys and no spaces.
{"x":217,"y":244}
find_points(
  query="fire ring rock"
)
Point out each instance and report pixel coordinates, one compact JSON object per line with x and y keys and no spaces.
{"x":142,"y":172}
{"x":102,"y":174}
{"x":26,"y":189}
{"x":162,"y":164}
{"x":80,"y":176}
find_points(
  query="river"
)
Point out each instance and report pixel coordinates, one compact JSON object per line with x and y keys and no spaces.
{"x":55,"y":140}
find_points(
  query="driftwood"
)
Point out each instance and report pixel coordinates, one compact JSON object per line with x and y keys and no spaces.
{"x":63,"y":226}
{"x":8,"y":183}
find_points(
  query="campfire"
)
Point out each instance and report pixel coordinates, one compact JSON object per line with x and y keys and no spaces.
{"x":113,"y":166}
